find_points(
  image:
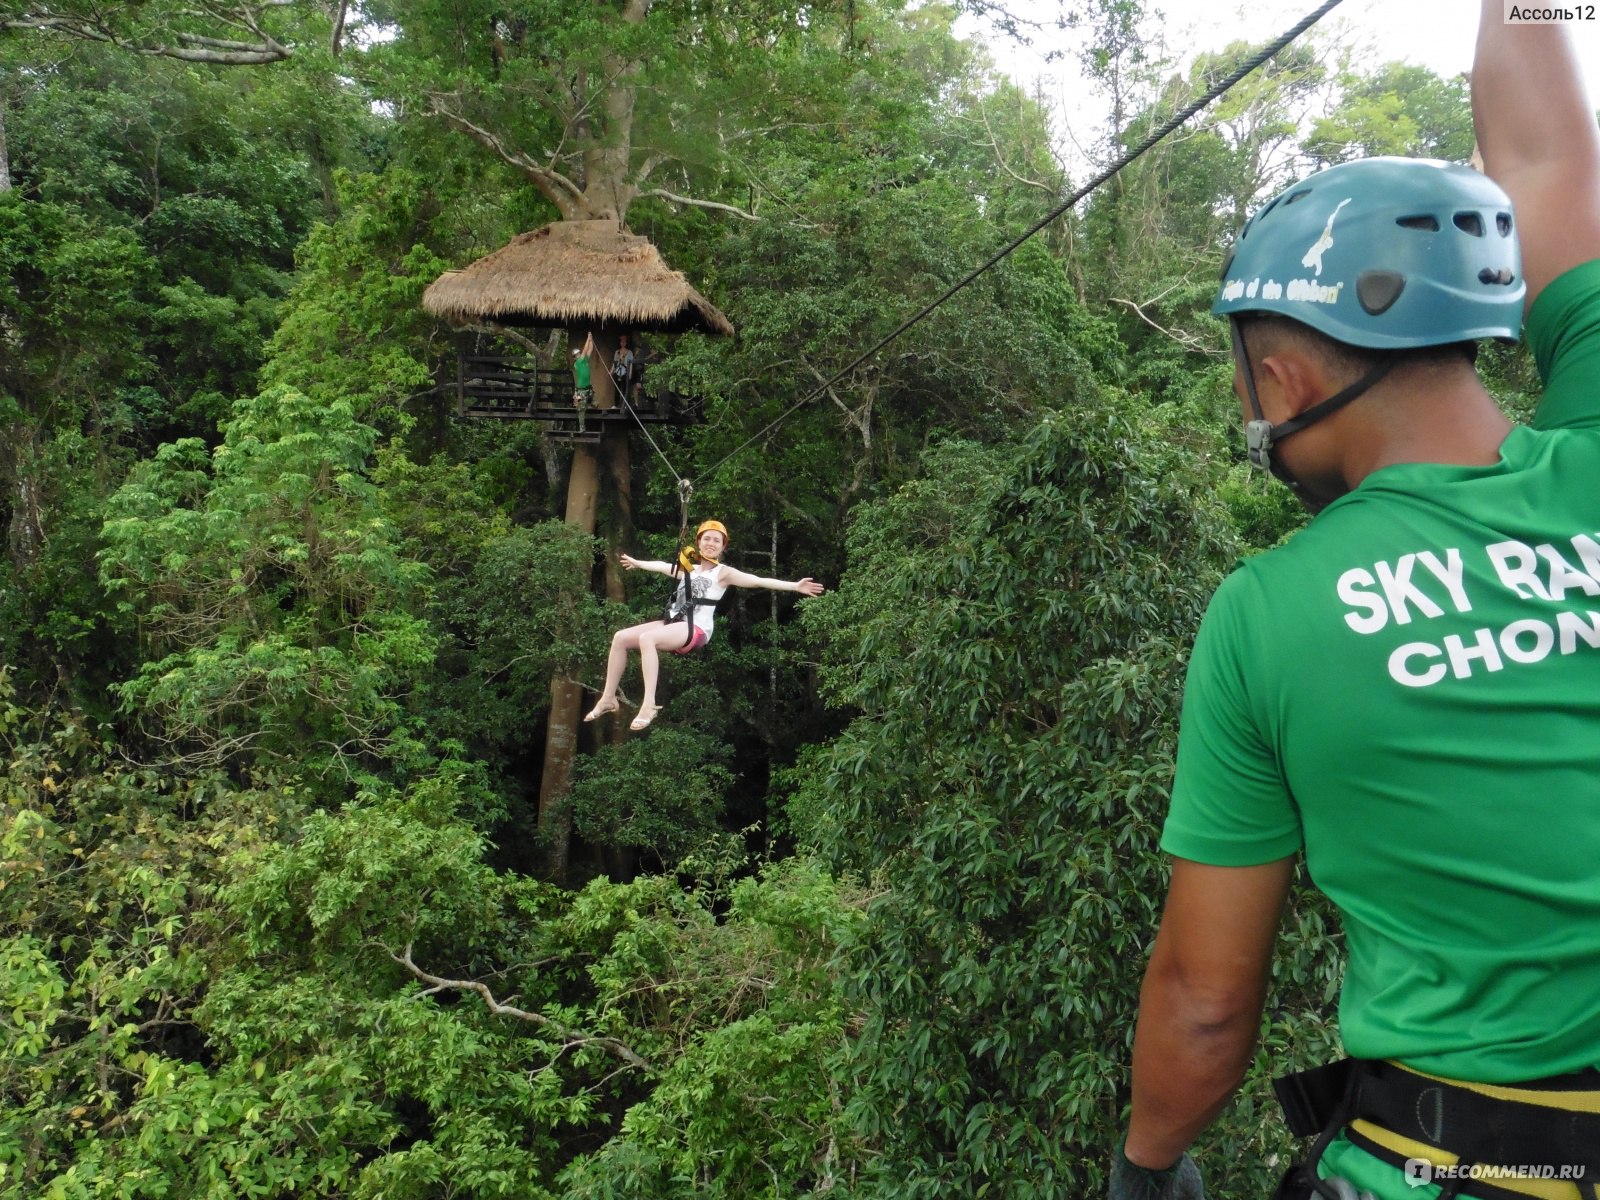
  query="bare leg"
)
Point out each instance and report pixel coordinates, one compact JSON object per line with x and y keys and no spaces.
{"x":616,"y":662}
{"x":651,"y":643}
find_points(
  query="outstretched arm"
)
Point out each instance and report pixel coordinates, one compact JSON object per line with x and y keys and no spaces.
{"x":733,"y":578}
{"x":1539,"y":141}
{"x":639,"y":564}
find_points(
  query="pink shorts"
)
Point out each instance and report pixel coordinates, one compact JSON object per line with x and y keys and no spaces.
{"x":696,"y":640}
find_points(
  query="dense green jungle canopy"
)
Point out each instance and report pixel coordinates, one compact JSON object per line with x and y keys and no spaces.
{"x":865,"y":912}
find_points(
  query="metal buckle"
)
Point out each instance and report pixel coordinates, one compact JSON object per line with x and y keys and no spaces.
{"x":1258,"y":443}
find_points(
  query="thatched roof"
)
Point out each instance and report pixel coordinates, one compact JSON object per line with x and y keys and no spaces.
{"x":576,"y":273}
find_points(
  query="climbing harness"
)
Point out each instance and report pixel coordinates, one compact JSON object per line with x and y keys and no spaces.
{"x":684,"y":602}
{"x":1402,"y":1117}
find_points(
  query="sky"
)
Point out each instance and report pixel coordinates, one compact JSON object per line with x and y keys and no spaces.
{"x":1438,"y":34}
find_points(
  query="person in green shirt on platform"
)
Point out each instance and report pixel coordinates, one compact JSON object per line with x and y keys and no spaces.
{"x":583,"y":391}
{"x":1408,"y":691}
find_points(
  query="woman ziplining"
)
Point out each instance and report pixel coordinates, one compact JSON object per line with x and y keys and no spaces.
{"x":702,"y":580}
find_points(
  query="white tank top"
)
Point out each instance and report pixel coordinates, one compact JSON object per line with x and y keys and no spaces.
{"x":703,"y":585}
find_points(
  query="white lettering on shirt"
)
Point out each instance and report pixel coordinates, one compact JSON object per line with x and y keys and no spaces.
{"x":1402,"y":591}
{"x":1461,"y":655}
{"x":1564,"y":575}
{"x":1425,"y":585}
{"x":1518,"y":567}
{"x":1400,"y":669}
{"x":1350,"y":584}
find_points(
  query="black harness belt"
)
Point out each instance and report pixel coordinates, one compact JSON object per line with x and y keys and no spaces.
{"x":682,"y":602}
{"x":1549,"y":1127}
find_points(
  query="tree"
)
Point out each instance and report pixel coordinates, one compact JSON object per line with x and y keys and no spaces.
{"x":69,"y":310}
{"x":1399,"y":109}
{"x":68,"y":299}
{"x":278,"y":615}
{"x":213,"y":989}
{"x":1017,"y":662}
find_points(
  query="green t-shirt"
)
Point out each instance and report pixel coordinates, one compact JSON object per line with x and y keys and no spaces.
{"x":580,"y":371}
{"x":1409,"y":690}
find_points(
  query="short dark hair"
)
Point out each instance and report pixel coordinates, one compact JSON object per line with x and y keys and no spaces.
{"x":1267,"y":333}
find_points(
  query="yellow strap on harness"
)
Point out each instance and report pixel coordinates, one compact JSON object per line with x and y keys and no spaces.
{"x":1558,"y":1100}
{"x":1404,"y":1147}
{"x":1565,"y":1101}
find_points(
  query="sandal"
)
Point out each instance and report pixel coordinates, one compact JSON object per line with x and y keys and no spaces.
{"x":647,"y":713}
{"x":600,"y":710}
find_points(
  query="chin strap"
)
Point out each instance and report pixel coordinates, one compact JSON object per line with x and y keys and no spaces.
{"x":1261,"y":435}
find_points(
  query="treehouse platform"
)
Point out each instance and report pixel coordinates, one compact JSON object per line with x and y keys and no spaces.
{"x":516,"y":389}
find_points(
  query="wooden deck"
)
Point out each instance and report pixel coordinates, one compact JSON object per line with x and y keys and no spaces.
{"x":513,"y":389}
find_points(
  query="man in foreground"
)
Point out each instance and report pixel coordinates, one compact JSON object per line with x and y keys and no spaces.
{"x":1409,"y":690}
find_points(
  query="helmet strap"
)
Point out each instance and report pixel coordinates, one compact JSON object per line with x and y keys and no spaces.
{"x":1261,"y":435}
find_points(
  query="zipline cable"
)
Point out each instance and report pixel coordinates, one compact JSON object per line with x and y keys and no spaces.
{"x":622,"y":395}
{"x":1217,"y":90}
{"x":685,"y":487}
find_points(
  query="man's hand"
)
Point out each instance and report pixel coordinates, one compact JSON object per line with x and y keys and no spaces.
{"x":1180,"y":1181}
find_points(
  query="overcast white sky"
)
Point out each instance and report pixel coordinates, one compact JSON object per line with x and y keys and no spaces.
{"x":1438,"y":34}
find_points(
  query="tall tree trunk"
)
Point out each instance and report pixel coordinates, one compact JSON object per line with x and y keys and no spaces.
{"x":566,"y":695}
{"x":622,"y":862}
{"x":5,"y":161}
{"x":607,"y":191}
{"x":615,"y":449}
{"x":25,"y":535}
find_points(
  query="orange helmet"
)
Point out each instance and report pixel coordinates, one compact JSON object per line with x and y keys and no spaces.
{"x":690,"y":555}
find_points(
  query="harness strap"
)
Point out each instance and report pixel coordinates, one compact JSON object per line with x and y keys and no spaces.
{"x":1549,"y":1121}
{"x":1399,"y":1114}
{"x":1397,"y":1151}
{"x":682,"y":594}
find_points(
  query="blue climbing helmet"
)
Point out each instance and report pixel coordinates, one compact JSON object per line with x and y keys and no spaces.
{"x":1383,"y":253}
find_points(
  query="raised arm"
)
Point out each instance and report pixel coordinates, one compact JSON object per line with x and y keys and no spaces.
{"x":734,"y":578}
{"x":638,"y":564}
{"x":1539,"y":141}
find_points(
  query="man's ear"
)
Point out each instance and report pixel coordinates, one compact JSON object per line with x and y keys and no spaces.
{"x":1294,"y":379}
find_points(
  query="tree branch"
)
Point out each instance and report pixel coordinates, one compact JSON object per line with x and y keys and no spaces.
{"x":673,"y":198}
{"x":495,"y":330}
{"x":1000,"y":158}
{"x":195,"y":48}
{"x":650,"y":164}
{"x":560,"y":190}
{"x":1188,"y":341}
{"x":336,"y":40}
{"x":195,"y":39}
{"x":573,"y":1038}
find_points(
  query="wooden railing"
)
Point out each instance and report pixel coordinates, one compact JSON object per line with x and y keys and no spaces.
{"x":516,"y":389}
